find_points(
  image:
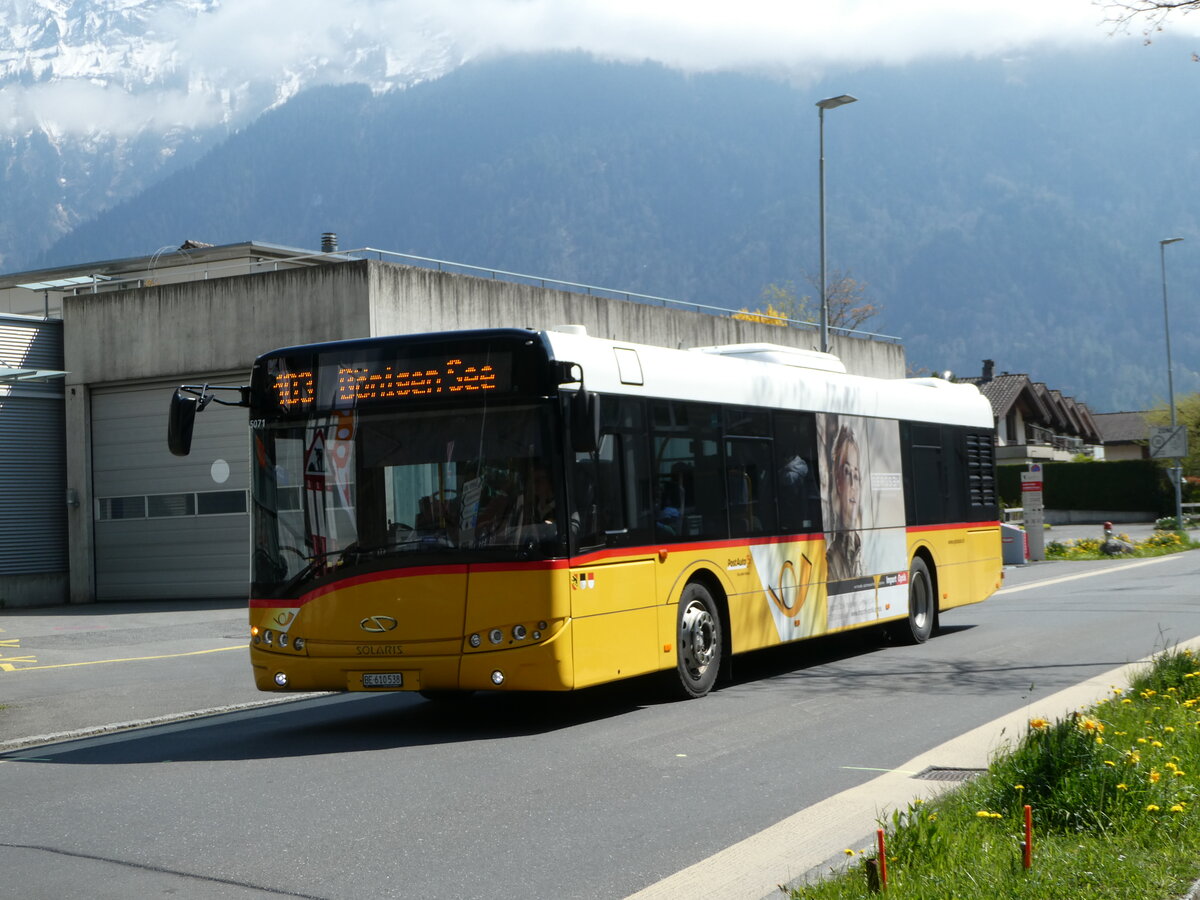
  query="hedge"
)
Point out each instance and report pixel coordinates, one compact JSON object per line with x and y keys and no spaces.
{"x":1132,"y":485}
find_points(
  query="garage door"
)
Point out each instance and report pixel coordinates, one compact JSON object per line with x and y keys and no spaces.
{"x":168,"y":527}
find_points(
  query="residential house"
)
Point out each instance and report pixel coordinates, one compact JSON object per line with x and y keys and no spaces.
{"x":1033,"y":422}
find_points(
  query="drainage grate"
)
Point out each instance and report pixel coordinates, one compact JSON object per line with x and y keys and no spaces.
{"x":945,"y":773}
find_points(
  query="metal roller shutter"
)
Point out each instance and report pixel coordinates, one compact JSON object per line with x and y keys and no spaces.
{"x":33,"y":528}
{"x":168,"y":527}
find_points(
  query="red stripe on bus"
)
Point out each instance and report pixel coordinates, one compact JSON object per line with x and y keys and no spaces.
{"x":392,"y":574}
{"x":597,"y":556}
{"x":913,"y":529}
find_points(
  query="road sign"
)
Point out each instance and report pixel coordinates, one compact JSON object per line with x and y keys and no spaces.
{"x":1168,"y":442}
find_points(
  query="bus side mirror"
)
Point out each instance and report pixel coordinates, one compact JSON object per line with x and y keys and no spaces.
{"x":180,"y":420}
{"x":585,"y":422}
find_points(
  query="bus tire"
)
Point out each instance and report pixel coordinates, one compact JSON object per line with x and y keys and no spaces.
{"x":700,"y":641}
{"x":922,"y":607}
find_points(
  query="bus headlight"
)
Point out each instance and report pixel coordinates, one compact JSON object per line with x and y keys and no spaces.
{"x":519,"y":632}
{"x":497,"y":678}
{"x":281,"y":679}
{"x":495,"y":635}
{"x":283,"y":639}
{"x":298,"y":644}
{"x":475,"y":640}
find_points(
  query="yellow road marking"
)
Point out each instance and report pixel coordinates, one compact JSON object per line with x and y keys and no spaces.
{"x":10,"y":642}
{"x":96,"y":662}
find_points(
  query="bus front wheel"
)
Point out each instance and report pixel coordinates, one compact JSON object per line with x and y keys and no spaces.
{"x":922,"y":607}
{"x":700,"y":641}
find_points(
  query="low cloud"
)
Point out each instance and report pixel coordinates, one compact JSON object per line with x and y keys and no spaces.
{"x":229,"y":61}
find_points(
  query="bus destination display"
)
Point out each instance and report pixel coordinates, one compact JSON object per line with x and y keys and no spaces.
{"x":348,"y":384}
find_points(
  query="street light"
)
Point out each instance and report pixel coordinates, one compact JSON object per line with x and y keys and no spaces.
{"x":1162,"y":253}
{"x":822,"y":105}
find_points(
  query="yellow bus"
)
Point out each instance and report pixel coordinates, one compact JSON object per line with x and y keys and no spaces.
{"x":525,"y":510}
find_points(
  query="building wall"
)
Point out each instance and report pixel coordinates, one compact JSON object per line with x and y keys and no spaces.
{"x":213,"y":330}
{"x":406,"y":299}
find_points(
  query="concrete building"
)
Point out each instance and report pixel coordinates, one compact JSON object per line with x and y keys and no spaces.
{"x":142,"y":524}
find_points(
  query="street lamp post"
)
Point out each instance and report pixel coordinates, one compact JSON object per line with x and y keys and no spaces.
{"x":1178,"y":471}
{"x":822,"y":105}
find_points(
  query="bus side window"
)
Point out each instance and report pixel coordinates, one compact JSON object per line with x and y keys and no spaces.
{"x":798,"y":486}
{"x":689,"y":488}
{"x":928,"y":474}
{"x":615,"y":479}
{"x":750,"y":486}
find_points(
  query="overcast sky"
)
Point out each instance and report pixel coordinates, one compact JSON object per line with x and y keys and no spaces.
{"x":224,"y":58}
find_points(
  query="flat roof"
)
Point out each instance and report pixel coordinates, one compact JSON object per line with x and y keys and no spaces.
{"x":188,"y":253}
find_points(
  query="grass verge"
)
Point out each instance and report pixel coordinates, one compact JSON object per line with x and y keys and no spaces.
{"x":1113,"y":793}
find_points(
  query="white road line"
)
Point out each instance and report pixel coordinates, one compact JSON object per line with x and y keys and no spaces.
{"x":1105,"y":571}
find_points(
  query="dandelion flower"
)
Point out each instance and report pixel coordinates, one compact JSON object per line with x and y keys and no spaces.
{"x":1176,"y":808}
{"x":1109,"y":762}
{"x":1039,"y":723}
{"x":1169,"y":729}
{"x":1152,"y":808}
{"x":848,"y":852}
{"x":1154,"y":776}
{"x":1156,"y":743}
{"x":1122,"y":786}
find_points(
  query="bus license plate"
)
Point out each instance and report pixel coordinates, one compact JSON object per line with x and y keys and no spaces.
{"x":383,"y":679}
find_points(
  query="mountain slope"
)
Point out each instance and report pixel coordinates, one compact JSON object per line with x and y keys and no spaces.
{"x":1000,"y":209}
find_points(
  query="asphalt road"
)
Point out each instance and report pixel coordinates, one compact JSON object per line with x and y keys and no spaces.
{"x":597,"y":794}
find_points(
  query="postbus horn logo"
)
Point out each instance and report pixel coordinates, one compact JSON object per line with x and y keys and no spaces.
{"x":377,"y":624}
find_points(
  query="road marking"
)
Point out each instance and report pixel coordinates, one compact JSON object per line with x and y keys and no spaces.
{"x":5,"y":667}
{"x":1048,"y":581}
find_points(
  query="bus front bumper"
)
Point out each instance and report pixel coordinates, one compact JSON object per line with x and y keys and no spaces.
{"x":545,"y":666}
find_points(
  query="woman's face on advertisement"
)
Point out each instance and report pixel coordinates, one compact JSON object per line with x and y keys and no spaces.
{"x":849,"y":482}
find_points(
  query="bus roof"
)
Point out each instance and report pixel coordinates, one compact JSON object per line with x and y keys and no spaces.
{"x":764,"y":375}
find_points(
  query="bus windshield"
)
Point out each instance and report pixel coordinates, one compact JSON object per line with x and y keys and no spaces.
{"x":339,"y":492}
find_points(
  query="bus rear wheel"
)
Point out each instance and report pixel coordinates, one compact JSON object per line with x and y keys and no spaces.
{"x":700,"y":641}
{"x":922,"y":607}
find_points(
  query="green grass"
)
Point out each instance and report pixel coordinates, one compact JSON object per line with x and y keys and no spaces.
{"x":1113,"y":793}
{"x":1160,"y":543}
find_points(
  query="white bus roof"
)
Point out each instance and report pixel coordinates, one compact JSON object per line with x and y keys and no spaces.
{"x":766,"y":375}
